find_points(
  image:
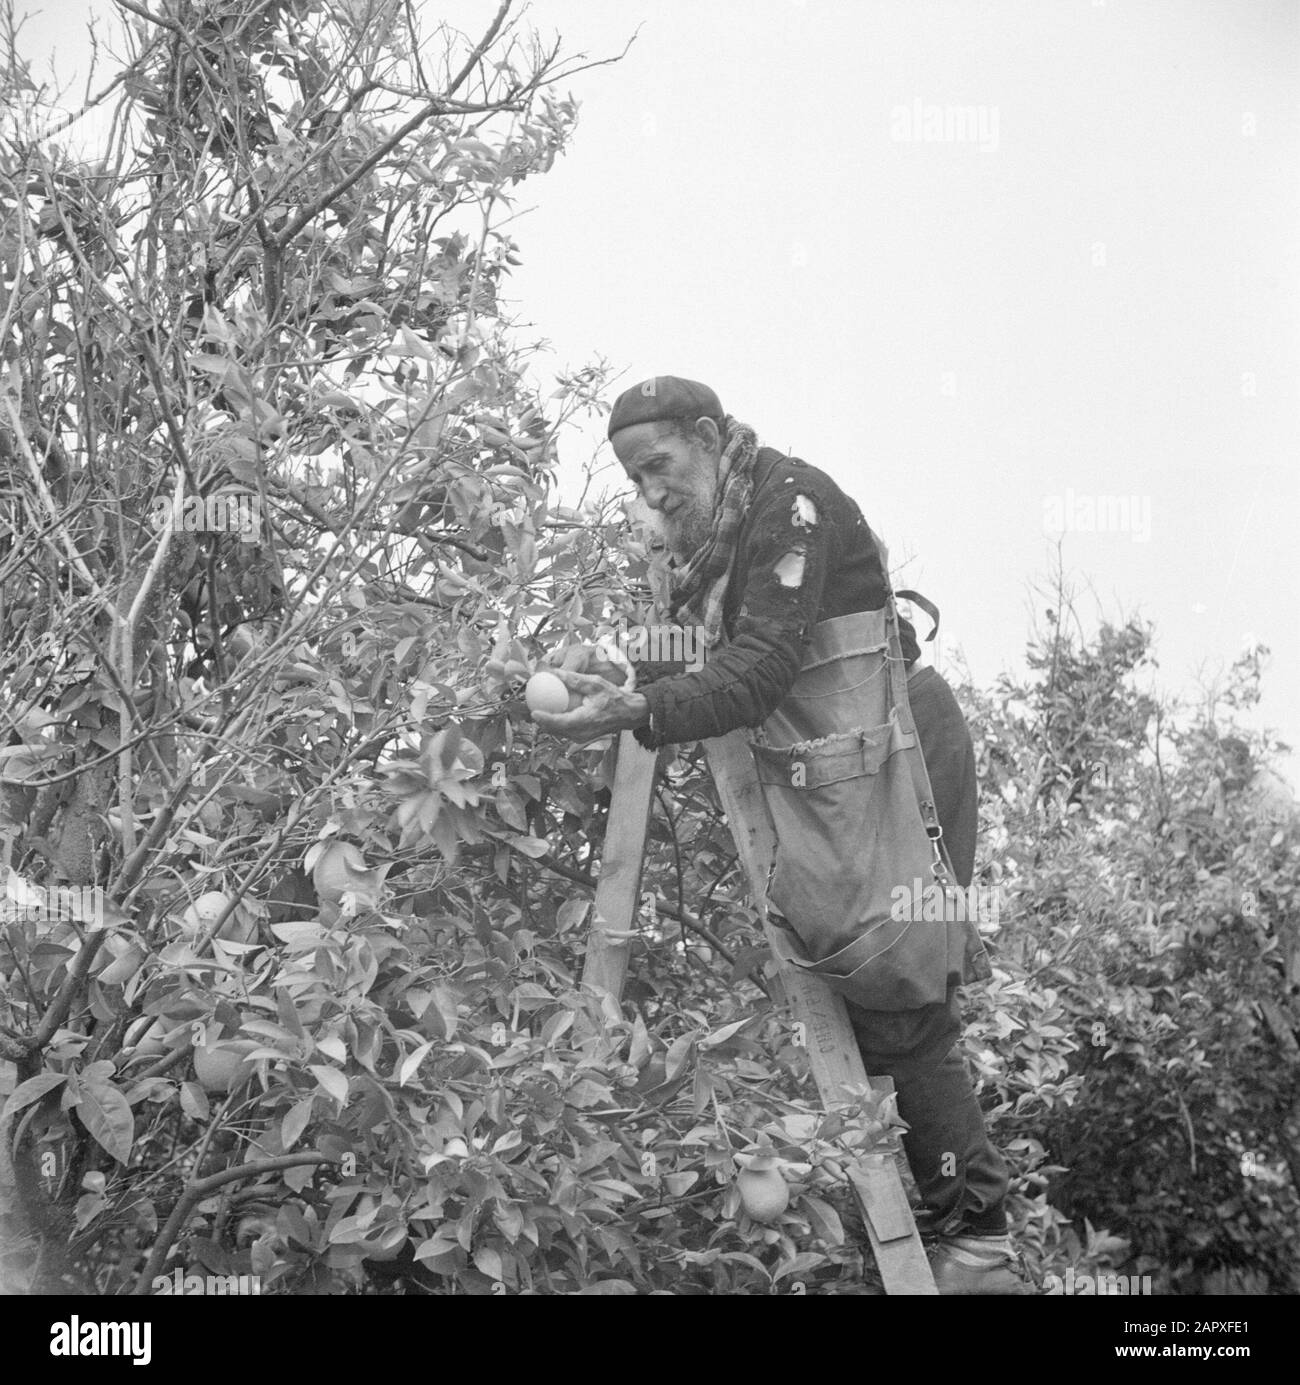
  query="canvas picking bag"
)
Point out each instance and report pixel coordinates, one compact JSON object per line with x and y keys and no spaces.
{"x":858,"y":841}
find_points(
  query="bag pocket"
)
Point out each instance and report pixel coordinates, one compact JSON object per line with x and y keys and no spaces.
{"x":851,"y":855}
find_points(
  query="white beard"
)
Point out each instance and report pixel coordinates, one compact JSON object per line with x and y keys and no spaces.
{"x":688,"y":531}
{"x":683,"y":535}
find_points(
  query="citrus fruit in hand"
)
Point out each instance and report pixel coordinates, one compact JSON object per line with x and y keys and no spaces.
{"x":545,"y":693}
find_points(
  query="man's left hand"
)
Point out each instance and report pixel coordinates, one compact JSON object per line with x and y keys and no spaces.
{"x":606,"y":709}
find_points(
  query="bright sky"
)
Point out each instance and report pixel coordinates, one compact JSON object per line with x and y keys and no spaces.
{"x":984,"y":329}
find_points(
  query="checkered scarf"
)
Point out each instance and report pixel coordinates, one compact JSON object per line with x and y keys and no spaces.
{"x":700,"y":587}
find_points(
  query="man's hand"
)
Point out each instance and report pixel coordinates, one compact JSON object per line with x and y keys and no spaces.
{"x":591,"y":658}
{"x":606,"y":709}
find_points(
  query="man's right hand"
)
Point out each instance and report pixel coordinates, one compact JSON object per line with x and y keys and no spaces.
{"x":605,"y":710}
{"x":591,"y":659}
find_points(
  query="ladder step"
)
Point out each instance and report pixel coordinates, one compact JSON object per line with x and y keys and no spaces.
{"x":900,"y":1256}
{"x":884,"y":1203}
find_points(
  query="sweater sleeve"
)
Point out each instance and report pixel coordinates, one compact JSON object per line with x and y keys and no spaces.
{"x":782,"y":565}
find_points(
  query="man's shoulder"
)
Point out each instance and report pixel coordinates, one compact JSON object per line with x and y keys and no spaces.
{"x":776,"y":468}
{"x":778,"y":471}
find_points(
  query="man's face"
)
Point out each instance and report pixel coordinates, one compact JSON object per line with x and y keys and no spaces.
{"x":677,"y":478}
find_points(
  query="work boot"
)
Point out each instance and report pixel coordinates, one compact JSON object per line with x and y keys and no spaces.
{"x":977,"y":1265}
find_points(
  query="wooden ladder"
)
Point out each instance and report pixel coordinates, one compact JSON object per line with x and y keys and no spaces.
{"x":833,"y":1053}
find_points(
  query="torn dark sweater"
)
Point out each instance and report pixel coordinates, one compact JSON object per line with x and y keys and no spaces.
{"x":805,"y":555}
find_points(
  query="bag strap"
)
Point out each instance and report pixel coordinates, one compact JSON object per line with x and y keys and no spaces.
{"x":927,"y":606}
{"x":902,"y":708}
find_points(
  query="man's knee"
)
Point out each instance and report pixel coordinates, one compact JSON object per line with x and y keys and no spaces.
{"x":905,"y":1044}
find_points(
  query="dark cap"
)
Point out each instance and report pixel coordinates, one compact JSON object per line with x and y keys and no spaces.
{"x":664,"y":397}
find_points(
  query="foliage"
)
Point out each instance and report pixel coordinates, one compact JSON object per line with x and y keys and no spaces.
{"x":1138,"y":1042}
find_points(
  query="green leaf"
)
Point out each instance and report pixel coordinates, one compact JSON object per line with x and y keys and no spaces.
{"x":826,"y":1224}
{"x":445,"y":1003}
{"x":720,"y":1036}
{"x":509,"y":1221}
{"x":298,"y":1178}
{"x":24,"y":762}
{"x":444,"y":1241}
{"x":639,"y":1050}
{"x":512,"y":1139}
{"x":557,"y":1026}
{"x":510,"y":809}
{"x":740,"y":1257}
{"x":295,"y":1122}
{"x":585,"y":1093}
{"x":332,"y":1080}
{"x":411,"y":1063}
{"x":194,"y":1101}
{"x":571,"y":914}
{"x":679,"y":1052}
{"x":488,"y":1262}
{"x":406,"y":343}
{"x":31,"y":1090}
{"x":213,"y":365}
{"x":107,"y":1118}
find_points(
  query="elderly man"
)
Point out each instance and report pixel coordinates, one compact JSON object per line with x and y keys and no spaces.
{"x":767,"y":548}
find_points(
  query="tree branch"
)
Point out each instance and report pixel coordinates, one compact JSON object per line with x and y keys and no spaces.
{"x":195,"y":1194}
{"x":663,"y":910}
{"x":438,"y":106}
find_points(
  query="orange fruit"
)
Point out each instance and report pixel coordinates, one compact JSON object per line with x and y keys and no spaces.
{"x":763,"y":1192}
{"x":223,"y":1070}
{"x":546,"y":693}
{"x":240,"y":927}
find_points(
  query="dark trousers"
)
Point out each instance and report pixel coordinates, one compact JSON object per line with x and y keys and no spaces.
{"x":962,"y":1179}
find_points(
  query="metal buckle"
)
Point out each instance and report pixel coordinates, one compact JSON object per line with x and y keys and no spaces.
{"x":937,"y":868}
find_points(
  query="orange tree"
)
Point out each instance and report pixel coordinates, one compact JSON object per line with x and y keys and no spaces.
{"x":295,"y":891}
{"x":1138,"y":1043}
